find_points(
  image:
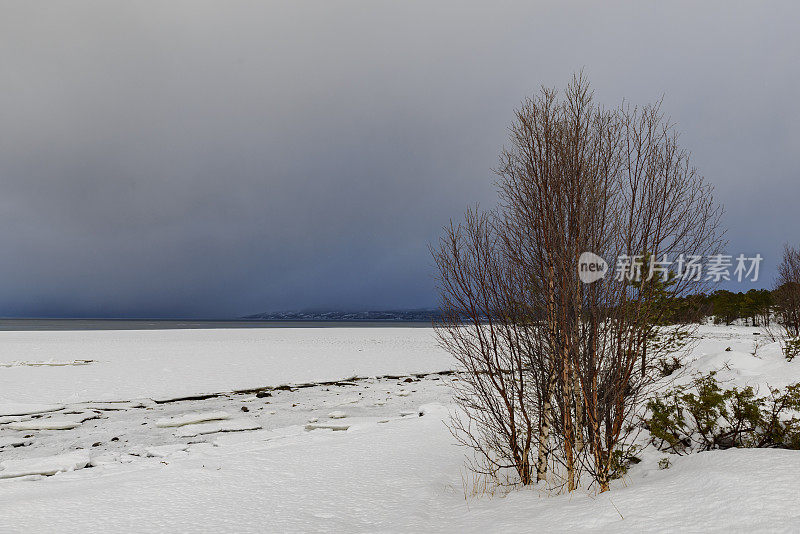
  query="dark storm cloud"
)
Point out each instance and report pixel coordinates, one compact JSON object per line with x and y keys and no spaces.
{"x":222,"y":158}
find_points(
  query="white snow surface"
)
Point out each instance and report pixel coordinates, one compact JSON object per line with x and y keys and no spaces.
{"x":393,"y":467}
{"x":398,"y":477}
{"x":163,"y":364}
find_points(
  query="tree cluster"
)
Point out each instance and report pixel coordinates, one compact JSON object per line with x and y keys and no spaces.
{"x":754,"y":307}
{"x":787,"y":302}
{"x":553,"y":370}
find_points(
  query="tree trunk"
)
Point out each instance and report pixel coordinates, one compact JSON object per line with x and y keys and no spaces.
{"x":568,"y":431}
{"x":544,"y":430}
{"x":579,"y":419}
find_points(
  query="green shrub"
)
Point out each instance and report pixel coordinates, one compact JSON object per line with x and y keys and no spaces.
{"x":668,"y":365}
{"x":621,"y":461}
{"x":703,"y":416}
{"x":791,"y":347}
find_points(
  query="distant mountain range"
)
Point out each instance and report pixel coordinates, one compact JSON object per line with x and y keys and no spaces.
{"x":420,"y":315}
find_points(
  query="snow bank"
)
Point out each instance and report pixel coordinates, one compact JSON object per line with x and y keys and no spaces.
{"x":401,"y":476}
{"x":768,"y":367}
{"x":737,"y":490}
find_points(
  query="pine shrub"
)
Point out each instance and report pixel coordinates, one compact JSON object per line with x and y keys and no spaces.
{"x":702,"y":416}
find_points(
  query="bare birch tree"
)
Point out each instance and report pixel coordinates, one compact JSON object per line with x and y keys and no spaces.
{"x":575,"y":178}
{"x":787,"y":301}
{"x":483,"y":327}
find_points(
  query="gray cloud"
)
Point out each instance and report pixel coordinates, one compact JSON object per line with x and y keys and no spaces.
{"x":221,"y":158}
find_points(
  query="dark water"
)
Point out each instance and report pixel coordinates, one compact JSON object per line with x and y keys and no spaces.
{"x":160,"y":324}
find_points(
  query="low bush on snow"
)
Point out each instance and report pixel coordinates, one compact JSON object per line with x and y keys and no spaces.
{"x":703,"y":416}
{"x":791,"y":347}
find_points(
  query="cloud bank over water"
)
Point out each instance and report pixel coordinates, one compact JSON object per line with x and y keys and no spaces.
{"x":219,"y":159}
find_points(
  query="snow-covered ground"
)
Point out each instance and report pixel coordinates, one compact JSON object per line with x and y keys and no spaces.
{"x":369,"y":454}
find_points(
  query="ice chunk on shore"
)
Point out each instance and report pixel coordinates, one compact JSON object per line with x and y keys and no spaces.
{"x":47,"y":363}
{"x":14,"y":441}
{"x":338,"y":414}
{"x":105,"y":459}
{"x":112,"y":406}
{"x":14,"y":419}
{"x":327,"y":426}
{"x":211,"y":427}
{"x":13,"y":409}
{"x":55,"y":423}
{"x":59,"y":422}
{"x":162,"y":451}
{"x":47,"y":465}
{"x":191,"y":418}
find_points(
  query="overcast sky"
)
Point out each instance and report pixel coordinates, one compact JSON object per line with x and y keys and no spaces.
{"x":216,"y":159}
